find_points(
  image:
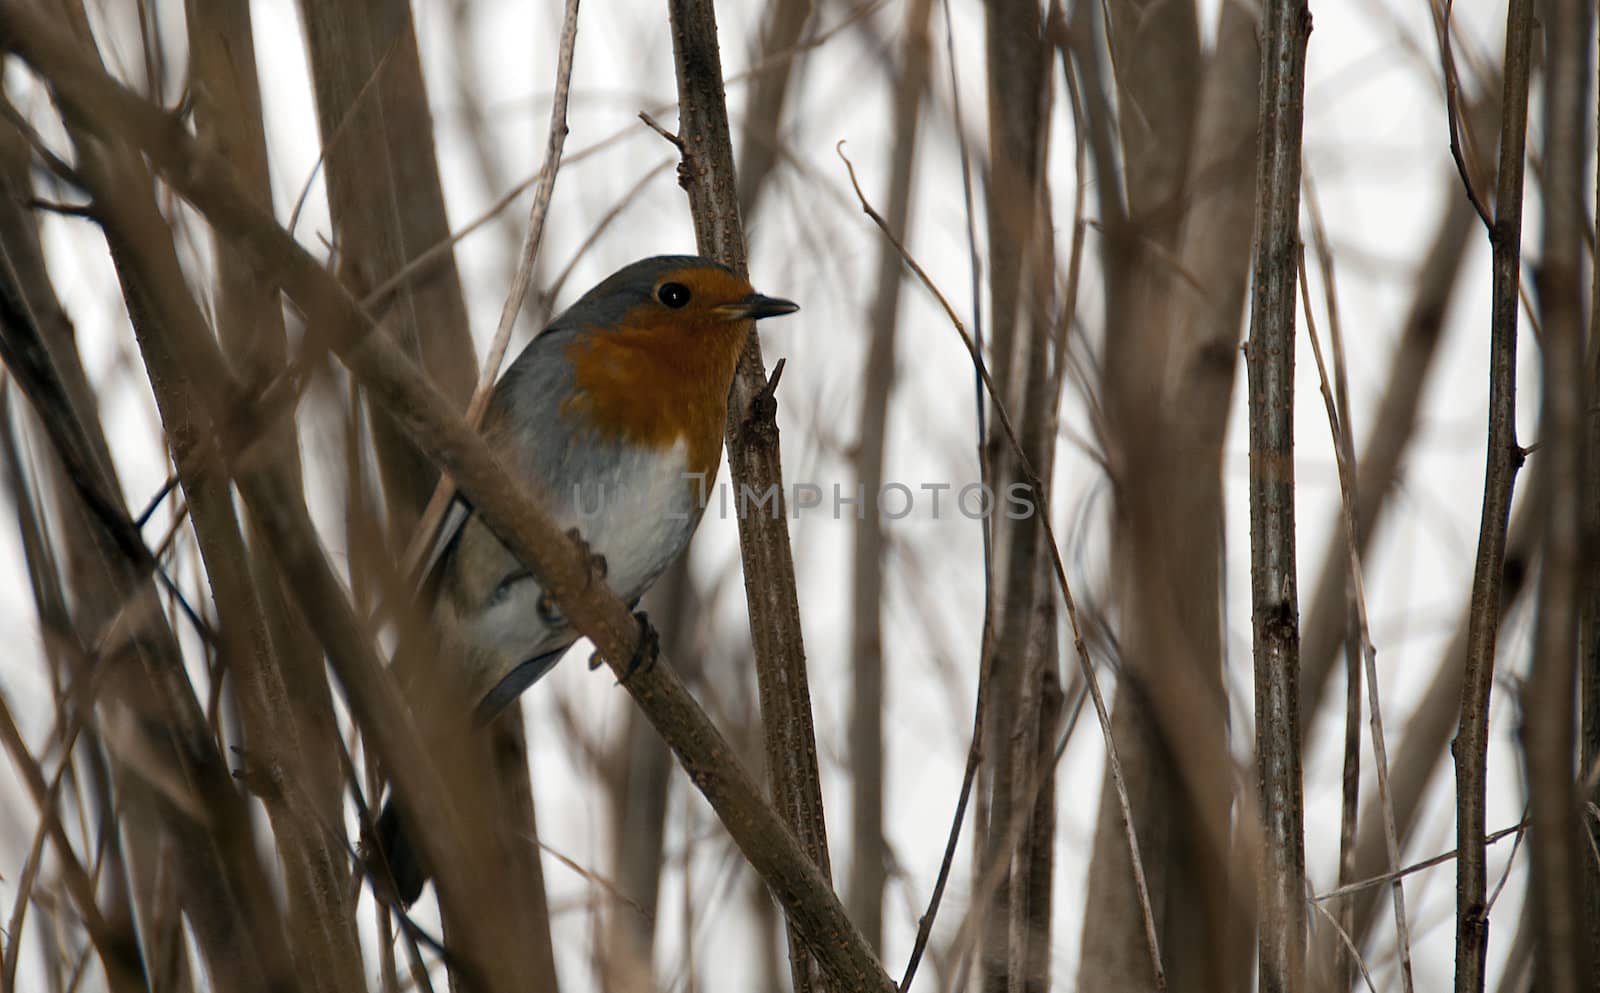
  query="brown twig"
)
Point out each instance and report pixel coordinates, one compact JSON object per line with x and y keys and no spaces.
{"x":339,"y":131}
{"x":1415,"y":867}
{"x":974,"y":749}
{"x":31,"y":864}
{"x":1452,"y":109}
{"x":118,"y":952}
{"x":754,"y":459}
{"x":1269,"y":360}
{"x":1471,"y":747}
{"x":1380,"y":752}
{"x":867,"y":872}
{"x":1349,"y":944}
{"x":1344,"y":442}
{"x":1394,"y":424}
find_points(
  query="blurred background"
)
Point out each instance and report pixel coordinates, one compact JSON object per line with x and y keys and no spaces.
{"x":1077,"y":180}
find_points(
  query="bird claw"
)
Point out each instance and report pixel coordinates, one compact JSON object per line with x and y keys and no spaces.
{"x":647,"y":650}
{"x":548,"y":611}
{"x":596,"y":561}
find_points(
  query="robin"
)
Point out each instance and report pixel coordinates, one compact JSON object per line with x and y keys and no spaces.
{"x":615,"y":413}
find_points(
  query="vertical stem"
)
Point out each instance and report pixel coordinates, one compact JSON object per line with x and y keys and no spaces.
{"x":1589,"y":629}
{"x":753,"y":458}
{"x":1471,"y":746}
{"x":1022,"y":272}
{"x":1549,"y":733}
{"x":1039,"y":846}
{"x":1269,"y":356}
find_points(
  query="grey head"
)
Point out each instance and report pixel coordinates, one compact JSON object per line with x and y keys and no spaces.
{"x":628,"y":287}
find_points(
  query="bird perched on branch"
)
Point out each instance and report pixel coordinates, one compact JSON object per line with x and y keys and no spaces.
{"x":615,"y":414}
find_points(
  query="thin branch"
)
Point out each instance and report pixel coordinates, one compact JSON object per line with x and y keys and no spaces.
{"x":1471,"y":746}
{"x":1350,"y":946}
{"x":1355,"y":638}
{"x":754,"y":455}
{"x":1452,"y":109}
{"x":1368,"y":652}
{"x":118,"y":951}
{"x":1415,"y":867}
{"x":867,"y":752}
{"x":339,"y":131}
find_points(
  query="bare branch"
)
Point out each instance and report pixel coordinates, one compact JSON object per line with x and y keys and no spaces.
{"x":1269,"y":357}
{"x":1472,"y":738}
{"x":707,"y":174}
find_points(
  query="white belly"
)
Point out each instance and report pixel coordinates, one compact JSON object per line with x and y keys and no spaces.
{"x":637,"y":516}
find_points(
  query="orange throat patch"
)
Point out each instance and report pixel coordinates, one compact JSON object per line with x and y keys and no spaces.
{"x":650,"y":386}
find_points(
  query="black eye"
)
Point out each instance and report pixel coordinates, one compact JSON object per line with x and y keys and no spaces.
{"x":674,"y":295}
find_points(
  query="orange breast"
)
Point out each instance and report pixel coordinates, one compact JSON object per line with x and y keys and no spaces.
{"x":654,"y":384}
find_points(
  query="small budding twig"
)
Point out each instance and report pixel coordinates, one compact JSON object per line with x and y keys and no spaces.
{"x":654,"y":125}
{"x":764,"y":405}
{"x":1452,"y":110}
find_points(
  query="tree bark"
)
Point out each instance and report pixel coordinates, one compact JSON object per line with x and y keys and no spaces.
{"x":1269,"y":359}
{"x":708,"y":176}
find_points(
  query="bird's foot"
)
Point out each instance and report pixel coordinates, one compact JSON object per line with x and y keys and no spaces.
{"x":548,"y":611}
{"x":647,"y":650}
{"x":596,"y":561}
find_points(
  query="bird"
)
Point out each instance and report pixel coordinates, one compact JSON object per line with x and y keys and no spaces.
{"x":615,"y":412}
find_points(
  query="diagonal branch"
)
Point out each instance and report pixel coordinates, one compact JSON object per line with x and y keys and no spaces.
{"x":427,"y":417}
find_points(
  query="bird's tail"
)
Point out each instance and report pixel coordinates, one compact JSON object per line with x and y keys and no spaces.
{"x":395,"y":849}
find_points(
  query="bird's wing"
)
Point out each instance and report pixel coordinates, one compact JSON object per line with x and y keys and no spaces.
{"x":455,"y":518}
{"x":524,"y":407}
{"x":514,"y":682}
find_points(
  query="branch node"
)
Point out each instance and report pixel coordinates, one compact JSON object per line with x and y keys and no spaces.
{"x":654,"y":125}
{"x":763,"y":413}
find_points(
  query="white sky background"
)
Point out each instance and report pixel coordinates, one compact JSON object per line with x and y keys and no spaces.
{"x":1377,"y":148}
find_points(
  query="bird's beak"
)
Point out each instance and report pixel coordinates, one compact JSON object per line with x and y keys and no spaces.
{"x":755,"y":306}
